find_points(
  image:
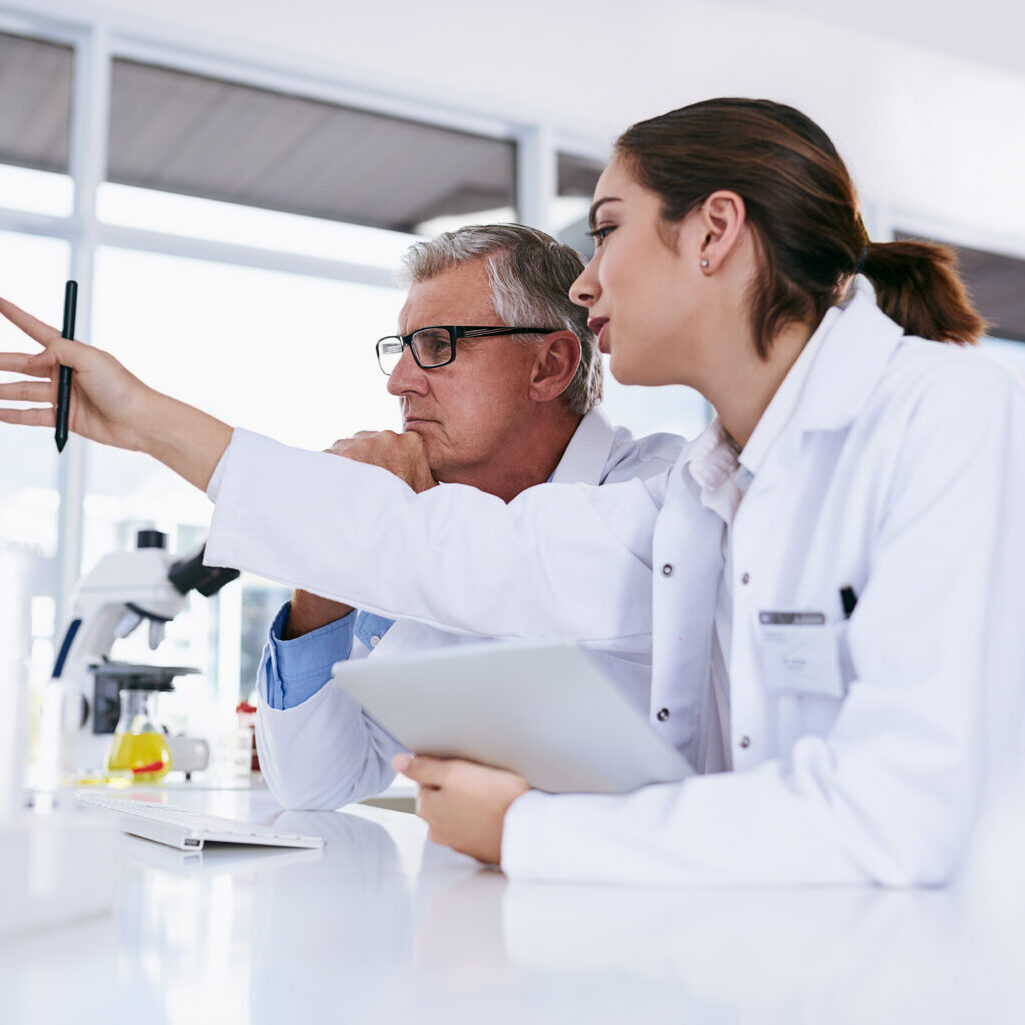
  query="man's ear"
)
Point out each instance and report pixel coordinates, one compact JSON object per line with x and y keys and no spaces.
{"x":555,"y":363}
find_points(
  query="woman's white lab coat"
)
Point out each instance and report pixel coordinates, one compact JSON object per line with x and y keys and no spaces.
{"x":900,"y":472}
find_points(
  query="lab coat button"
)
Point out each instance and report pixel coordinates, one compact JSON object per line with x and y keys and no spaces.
{"x":745,"y":741}
{"x":667,"y":569}
{"x":746,"y":578}
{"x":374,"y":641}
{"x":663,"y":714}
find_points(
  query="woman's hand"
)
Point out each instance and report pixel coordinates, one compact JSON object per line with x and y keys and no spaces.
{"x":106,"y":400}
{"x":108,"y":404}
{"x":463,"y":803}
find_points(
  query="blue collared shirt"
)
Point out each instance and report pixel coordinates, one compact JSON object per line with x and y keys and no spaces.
{"x":294,"y":670}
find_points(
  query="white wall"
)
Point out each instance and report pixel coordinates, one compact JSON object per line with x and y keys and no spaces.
{"x":928,"y":133}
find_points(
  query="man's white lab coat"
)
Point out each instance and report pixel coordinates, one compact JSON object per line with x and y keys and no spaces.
{"x":325,"y":752}
{"x":901,"y":472}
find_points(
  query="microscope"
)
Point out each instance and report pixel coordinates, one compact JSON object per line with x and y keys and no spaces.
{"x":81,"y":701}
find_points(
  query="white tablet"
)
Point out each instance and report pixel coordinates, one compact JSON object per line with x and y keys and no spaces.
{"x":543,"y":709}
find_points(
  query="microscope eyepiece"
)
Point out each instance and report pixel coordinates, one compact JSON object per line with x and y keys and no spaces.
{"x":189,"y":574}
{"x":150,"y":539}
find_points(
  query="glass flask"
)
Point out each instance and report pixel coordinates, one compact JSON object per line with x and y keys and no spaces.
{"x":140,"y":744}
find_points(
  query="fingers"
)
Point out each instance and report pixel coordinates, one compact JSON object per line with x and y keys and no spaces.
{"x":26,"y":363}
{"x":422,"y":769}
{"x":26,"y":391}
{"x":28,"y":417}
{"x":36,"y":329}
{"x":341,"y":444}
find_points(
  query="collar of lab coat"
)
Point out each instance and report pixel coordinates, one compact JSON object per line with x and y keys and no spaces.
{"x":588,"y":450}
{"x":849,"y":362}
{"x":833,"y":377}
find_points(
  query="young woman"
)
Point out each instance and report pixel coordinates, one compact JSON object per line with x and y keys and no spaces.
{"x":829,"y":578}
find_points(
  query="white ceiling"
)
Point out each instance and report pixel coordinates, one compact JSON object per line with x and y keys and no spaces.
{"x":987,"y":32}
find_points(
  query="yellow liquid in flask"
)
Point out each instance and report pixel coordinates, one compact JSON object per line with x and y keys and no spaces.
{"x":133,"y":751}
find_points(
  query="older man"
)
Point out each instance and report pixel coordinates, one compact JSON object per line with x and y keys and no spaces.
{"x":497,"y":372}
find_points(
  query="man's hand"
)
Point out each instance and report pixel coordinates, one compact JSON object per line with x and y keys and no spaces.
{"x":402,"y":454}
{"x":463,"y":803}
{"x":108,"y":404}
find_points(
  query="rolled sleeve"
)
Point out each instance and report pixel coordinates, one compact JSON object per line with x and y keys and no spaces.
{"x":296,"y":669}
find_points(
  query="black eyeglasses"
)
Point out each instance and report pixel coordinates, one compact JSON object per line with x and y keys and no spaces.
{"x":436,"y":346}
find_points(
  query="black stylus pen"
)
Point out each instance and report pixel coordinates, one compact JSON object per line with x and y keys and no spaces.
{"x":60,"y":434}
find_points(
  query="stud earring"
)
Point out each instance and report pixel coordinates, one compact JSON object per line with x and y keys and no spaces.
{"x":704,"y":263}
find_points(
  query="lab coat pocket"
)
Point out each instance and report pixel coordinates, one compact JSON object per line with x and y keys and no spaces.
{"x":800,"y":654}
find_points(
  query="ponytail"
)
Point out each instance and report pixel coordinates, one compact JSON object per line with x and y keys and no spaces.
{"x":917,"y":285}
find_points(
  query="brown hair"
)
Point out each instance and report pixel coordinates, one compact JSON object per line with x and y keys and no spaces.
{"x":803,"y":208}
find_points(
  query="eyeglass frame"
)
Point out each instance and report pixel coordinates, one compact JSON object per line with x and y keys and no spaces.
{"x":454,"y":334}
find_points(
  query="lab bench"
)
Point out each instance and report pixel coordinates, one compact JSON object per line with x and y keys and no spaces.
{"x":383,"y":926}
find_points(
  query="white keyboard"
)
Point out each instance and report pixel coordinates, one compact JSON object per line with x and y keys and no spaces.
{"x":189,"y":830}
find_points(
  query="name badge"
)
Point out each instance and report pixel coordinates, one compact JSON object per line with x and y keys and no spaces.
{"x":799,"y":654}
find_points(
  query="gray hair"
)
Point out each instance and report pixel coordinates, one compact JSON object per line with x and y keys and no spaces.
{"x":530,"y":274}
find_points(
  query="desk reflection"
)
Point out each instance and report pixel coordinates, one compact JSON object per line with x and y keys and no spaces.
{"x":336,"y":933}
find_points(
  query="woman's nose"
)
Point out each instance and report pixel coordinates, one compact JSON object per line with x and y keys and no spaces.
{"x":584,"y":291}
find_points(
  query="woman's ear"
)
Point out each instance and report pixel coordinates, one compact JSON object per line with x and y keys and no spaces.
{"x":723,"y":216}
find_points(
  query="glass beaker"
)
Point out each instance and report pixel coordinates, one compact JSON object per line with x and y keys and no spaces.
{"x":139,"y":743}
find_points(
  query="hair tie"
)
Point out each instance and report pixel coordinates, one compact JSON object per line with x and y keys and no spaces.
{"x":860,"y":266}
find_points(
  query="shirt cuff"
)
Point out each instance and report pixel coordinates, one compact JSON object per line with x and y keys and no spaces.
{"x":214,"y":484}
{"x":301,"y":666}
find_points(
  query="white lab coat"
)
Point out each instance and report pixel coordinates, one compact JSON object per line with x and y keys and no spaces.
{"x":900,"y":472}
{"x":325,"y":752}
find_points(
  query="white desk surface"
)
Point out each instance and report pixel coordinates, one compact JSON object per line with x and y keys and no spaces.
{"x":382,"y":926}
